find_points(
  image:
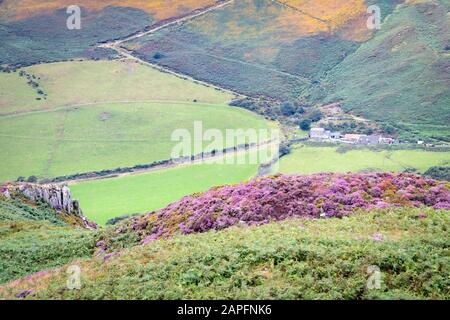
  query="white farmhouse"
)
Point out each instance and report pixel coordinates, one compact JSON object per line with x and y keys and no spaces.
{"x":319,"y":134}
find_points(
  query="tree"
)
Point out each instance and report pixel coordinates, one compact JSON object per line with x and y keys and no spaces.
{"x":388,"y":129}
{"x":32,"y":179}
{"x":158,"y":56}
{"x":285,"y":149}
{"x":301,"y":110}
{"x":315,"y":116}
{"x":305,"y":124}
{"x":287,"y":109}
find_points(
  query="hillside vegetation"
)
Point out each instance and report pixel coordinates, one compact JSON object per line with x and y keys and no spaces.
{"x":253,"y":47}
{"x":400,"y":76}
{"x":30,"y":24}
{"x":296,"y":259}
{"x":34,"y":238}
{"x":260,"y":47}
{"x":160,"y":9}
{"x":277,"y":198}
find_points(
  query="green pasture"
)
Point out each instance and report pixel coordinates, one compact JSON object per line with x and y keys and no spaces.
{"x":102,"y":200}
{"x":83,"y":82}
{"x":312,"y":159}
{"x":106,"y":136}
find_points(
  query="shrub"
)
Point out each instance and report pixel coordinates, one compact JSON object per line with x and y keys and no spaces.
{"x":305,"y":124}
{"x":287,"y":109}
{"x":315,"y":116}
{"x":32,"y":179}
{"x":438,"y":173}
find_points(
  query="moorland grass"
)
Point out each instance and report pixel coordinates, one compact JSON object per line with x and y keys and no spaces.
{"x":312,"y":159}
{"x":34,"y":238}
{"x":296,"y":259}
{"x":252,"y":47}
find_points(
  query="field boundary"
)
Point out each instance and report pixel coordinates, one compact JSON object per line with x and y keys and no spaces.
{"x":159,"y":165}
{"x":116,"y":46}
{"x":81,"y":105}
{"x":302,"y":12}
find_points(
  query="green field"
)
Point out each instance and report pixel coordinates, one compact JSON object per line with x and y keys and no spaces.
{"x":105,"y":136}
{"x":83,"y":82}
{"x":102,"y":115}
{"x":311,"y":159}
{"x":102,"y":200}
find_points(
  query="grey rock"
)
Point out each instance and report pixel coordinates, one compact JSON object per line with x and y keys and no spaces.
{"x":56,"y":196}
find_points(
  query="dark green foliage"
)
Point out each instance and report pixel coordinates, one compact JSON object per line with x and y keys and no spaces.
{"x":287,"y":108}
{"x":267,"y":108}
{"x":285,"y":149}
{"x":305,"y":124}
{"x":387,"y":128}
{"x":116,"y":220}
{"x":438,"y":173}
{"x":16,"y":210}
{"x":32,"y":179}
{"x":27,"y":247}
{"x":157,"y":56}
{"x":315,"y":116}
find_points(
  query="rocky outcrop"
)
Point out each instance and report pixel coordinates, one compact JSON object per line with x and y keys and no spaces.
{"x":58,"y":197}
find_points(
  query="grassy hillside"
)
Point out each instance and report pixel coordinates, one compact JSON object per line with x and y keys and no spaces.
{"x":30,"y":24}
{"x":312,"y":159}
{"x":36,"y":238}
{"x":257,"y":47}
{"x":161,"y":10}
{"x":296,"y":259}
{"x":83,"y":82}
{"x":102,"y":200}
{"x":278,"y":198}
{"x":401,"y":76}
{"x":106,"y":136}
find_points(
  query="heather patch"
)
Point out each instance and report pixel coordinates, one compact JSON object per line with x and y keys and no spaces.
{"x":282,"y":197}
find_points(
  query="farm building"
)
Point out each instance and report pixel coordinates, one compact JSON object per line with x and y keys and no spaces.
{"x":322,"y":134}
{"x":319,"y":134}
{"x":353,"y":138}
